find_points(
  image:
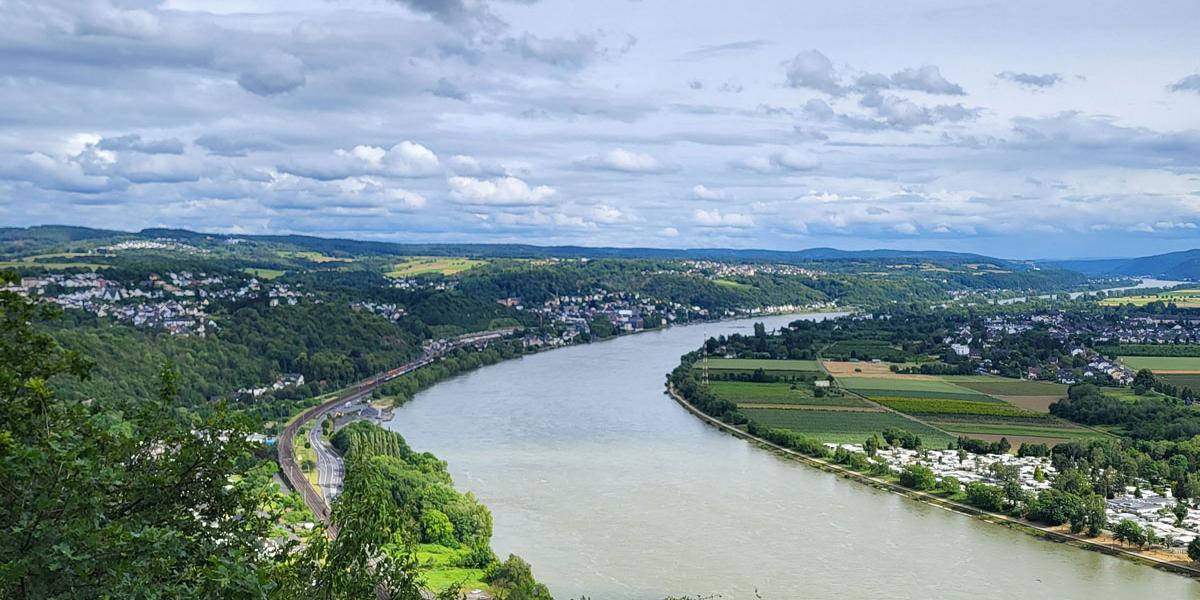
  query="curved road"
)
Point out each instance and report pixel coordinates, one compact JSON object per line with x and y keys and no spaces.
{"x":330,"y":467}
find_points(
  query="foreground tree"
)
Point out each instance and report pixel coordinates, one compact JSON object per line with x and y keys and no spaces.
{"x":135,"y":498}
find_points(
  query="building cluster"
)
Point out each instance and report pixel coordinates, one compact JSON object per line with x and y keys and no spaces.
{"x":1033,"y":473}
{"x":719,"y":270}
{"x":284,"y":381}
{"x":1155,"y":512}
{"x":155,"y":244}
{"x":386,"y":310}
{"x":176,"y":302}
{"x":412,"y":284}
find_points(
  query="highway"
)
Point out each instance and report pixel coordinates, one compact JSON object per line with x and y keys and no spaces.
{"x":330,"y":466}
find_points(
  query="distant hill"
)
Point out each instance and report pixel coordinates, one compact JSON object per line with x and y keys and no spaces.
{"x":350,"y":246}
{"x":1182,"y":265}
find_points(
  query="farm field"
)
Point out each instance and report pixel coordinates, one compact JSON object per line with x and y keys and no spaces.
{"x":1013,"y":387}
{"x":1039,"y":404}
{"x":1064,"y":433}
{"x":53,"y":262}
{"x":843,"y":426}
{"x":1164,"y":364}
{"x":966,"y":408}
{"x":1188,"y":381}
{"x":316,"y":257}
{"x":267,"y":274}
{"x":910,"y":386}
{"x":840,"y":368}
{"x":428,"y":265}
{"x":766,"y":364}
{"x":1181,"y":298}
{"x":776,"y":393}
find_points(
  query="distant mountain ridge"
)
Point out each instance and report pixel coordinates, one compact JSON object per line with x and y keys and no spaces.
{"x":1182,"y":265}
{"x":61,"y":234}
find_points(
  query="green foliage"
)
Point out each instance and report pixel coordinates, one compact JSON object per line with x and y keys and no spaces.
{"x":1152,"y":418}
{"x":515,"y":578}
{"x":985,"y":496}
{"x":917,"y":477}
{"x":118,"y":498}
{"x":1130,"y":532}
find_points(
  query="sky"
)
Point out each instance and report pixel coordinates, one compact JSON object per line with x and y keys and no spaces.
{"x":1017,"y":129}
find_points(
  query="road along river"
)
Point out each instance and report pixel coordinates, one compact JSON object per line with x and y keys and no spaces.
{"x":612,"y":490}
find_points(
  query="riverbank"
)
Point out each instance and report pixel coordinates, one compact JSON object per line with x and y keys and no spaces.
{"x":1048,"y":533}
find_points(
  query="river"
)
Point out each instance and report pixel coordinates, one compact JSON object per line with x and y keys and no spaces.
{"x":611,"y":490}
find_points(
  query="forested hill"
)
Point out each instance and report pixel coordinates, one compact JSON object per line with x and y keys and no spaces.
{"x":1184,"y":265}
{"x":36,"y":238}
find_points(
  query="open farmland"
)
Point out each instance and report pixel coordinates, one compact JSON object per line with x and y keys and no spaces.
{"x":980,"y":430}
{"x":843,"y":426}
{"x":912,"y":386}
{"x":766,"y":364}
{"x":430,"y":265}
{"x":1181,"y":298}
{"x":742,"y":392}
{"x":1015,"y":387}
{"x":933,"y":406}
{"x":1164,"y":364}
{"x":1182,"y":380}
{"x":839,"y":368}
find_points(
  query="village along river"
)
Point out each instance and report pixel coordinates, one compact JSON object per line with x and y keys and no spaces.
{"x":612,"y":490}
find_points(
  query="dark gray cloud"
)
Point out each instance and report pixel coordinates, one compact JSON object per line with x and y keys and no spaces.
{"x":234,"y":146}
{"x":1191,"y":83}
{"x":1031,"y":80}
{"x":712,"y":51}
{"x":928,"y":79}
{"x":447,"y":89}
{"x":813,"y":70}
{"x":273,"y":74}
{"x":135,"y":143}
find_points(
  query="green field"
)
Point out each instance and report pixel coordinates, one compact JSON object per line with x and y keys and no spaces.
{"x":776,"y":393}
{"x":267,"y":274}
{"x":53,"y":262}
{"x":1181,"y":298}
{"x":1188,"y":381}
{"x":934,"y":406}
{"x":1016,"y":387}
{"x":901,"y":387}
{"x":963,"y":395}
{"x":1183,"y":364}
{"x":316,"y":257}
{"x":732,"y":284}
{"x":766,"y":364}
{"x":1062,"y":433}
{"x":429,"y":265}
{"x":843,"y":426}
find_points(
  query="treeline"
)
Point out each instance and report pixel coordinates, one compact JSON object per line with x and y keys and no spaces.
{"x":1188,"y":350}
{"x":1150,"y":418}
{"x":419,"y":495}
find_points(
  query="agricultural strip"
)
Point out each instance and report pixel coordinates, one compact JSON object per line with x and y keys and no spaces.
{"x":933,"y":406}
{"x":776,"y":393}
{"x":1014,"y":387}
{"x":415,"y":266}
{"x":843,"y":426}
{"x":1164,"y":364}
{"x":766,"y":364}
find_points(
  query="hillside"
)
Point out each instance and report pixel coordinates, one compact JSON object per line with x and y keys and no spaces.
{"x":1184,"y":264}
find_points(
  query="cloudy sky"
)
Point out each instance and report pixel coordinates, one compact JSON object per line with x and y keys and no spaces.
{"x":1015,"y":128}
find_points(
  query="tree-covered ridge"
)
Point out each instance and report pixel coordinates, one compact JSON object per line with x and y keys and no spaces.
{"x":428,"y":510}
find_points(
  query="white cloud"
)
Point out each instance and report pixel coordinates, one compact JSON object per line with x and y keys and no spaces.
{"x":779,"y":162}
{"x":704,"y":193}
{"x":714,"y":218}
{"x":499,"y":191}
{"x":624,"y":161}
{"x":668,"y":232}
{"x":607,"y":214}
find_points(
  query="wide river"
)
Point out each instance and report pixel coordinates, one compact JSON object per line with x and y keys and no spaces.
{"x":611,"y":490}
